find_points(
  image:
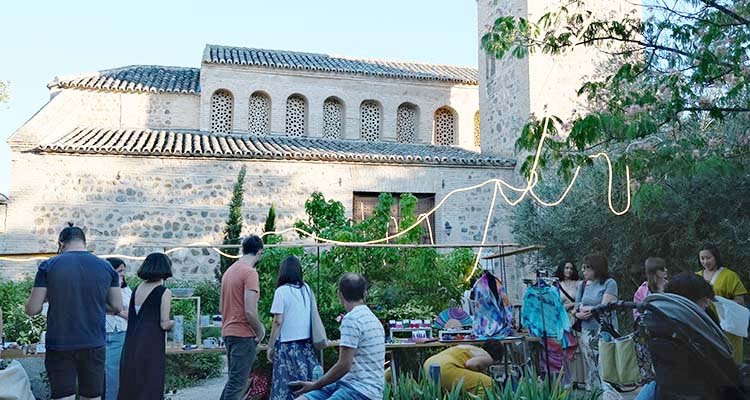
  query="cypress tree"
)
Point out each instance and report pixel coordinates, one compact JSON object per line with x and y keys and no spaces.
{"x":234,"y":224}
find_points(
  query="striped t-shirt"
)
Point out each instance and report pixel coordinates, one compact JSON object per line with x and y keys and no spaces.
{"x":361,"y":330}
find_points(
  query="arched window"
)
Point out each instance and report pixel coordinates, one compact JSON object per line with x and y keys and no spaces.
{"x":259,"y":114}
{"x":406,"y":123}
{"x":370,"y":120}
{"x":477,"y":137}
{"x":222,"y":105}
{"x":296,"y":115}
{"x":445,"y":127}
{"x":333,"y":118}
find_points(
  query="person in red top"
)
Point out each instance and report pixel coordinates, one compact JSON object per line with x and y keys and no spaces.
{"x":241,"y":328}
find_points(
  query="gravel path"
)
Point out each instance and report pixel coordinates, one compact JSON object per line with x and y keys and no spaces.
{"x":208,"y":390}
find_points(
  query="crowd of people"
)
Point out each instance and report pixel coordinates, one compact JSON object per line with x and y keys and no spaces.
{"x":107,"y":340}
{"x":597,"y":288}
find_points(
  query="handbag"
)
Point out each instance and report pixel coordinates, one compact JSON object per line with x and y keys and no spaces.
{"x":318,"y":331}
{"x":260,"y":386}
{"x":577,"y":326}
{"x":618,"y":362}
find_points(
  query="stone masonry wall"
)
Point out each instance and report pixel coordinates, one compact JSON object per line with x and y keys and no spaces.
{"x":128,"y":202}
{"x":72,"y":108}
{"x":512,"y":89}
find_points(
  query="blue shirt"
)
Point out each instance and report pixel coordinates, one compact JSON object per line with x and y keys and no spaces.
{"x":77,"y":284}
{"x":593,"y":295}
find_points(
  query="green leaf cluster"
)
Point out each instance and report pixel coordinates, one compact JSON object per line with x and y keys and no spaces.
{"x":674,"y":92}
{"x":672,"y":220}
{"x":528,"y":387}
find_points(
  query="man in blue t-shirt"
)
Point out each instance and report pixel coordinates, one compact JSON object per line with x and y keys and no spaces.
{"x":81,"y":289}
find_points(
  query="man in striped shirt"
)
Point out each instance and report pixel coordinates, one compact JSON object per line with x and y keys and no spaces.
{"x":358,"y":374}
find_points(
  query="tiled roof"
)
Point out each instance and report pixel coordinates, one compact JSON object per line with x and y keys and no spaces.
{"x":136,"y":78}
{"x":241,"y":146}
{"x":215,"y":54}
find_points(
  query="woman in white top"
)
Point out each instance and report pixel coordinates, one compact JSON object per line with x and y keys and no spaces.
{"x":290,"y":347}
{"x":117,"y":326}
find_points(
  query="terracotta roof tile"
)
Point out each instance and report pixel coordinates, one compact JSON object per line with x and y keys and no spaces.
{"x":241,"y":146}
{"x":215,"y":54}
{"x":136,"y":78}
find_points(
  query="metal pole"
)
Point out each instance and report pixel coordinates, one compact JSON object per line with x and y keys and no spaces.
{"x":544,"y":338}
{"x":317,"y":295}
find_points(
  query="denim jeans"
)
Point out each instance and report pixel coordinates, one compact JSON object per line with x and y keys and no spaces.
{"x":115,"y":341}
{"x":335,"y":391}
{"x":240,"y":358}
{"x":648,"y":391}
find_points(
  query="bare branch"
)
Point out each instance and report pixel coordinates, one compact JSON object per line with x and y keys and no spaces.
{"x":714,"y":4}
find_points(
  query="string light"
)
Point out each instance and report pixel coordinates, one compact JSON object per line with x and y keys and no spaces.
{"x":498,"y":185}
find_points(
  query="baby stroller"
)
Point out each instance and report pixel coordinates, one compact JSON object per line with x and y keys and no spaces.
{"x":691,"y":356}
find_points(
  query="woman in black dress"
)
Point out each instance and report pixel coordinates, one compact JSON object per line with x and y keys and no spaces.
{"x":143,"y":358}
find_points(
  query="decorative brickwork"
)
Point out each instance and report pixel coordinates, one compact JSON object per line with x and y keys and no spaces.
{"x":296,"y":115}
{"x":259,"y":114}
{"x":445,"y":127}
{"x":333,"y":118}
{"x":406,"y":123}
{"x":221,"y":111}
{"x":371,"y":120}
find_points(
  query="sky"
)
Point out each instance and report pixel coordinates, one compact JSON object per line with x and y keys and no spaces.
{"x":38,"y":41}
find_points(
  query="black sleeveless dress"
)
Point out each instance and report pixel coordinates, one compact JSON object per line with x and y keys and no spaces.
{"x":143,"y":357}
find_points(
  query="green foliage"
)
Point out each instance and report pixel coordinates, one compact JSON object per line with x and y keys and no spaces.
{"x":674,"y":96}
{"x":210,"y":293}
{"x":325,"y":218}
{"x":185,"y":370}
{"x":270,"y":226}
{"x":672,"y":221}
{"x":529,"y":388}
{"x":17,"y":326}
{"x":404,"y":282}
{"x":233,"y":228}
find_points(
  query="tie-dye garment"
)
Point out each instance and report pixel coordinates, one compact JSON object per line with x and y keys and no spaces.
{"x":545,"y":298}
{"x":561,"y":342}
{"x":493,"y":314}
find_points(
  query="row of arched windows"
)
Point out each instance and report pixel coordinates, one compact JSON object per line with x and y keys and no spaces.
{"x":371,"y":119}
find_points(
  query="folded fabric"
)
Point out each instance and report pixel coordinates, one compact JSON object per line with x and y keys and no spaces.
{"x":734,"y":318}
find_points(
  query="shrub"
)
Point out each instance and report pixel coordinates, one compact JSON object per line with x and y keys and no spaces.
{"x":184,"y":370}
{"x":528,"y":388}
{"x":19,"y":327}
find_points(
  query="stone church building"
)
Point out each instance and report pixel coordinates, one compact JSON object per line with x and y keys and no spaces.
{"x":144,"y":157}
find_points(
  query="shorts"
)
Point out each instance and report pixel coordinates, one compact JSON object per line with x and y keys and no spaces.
{"x":68,"y":369}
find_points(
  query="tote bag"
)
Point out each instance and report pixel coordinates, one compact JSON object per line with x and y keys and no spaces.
{"x":618,"y":362}
{"x":318,"y":331}
{"x":14,"y":383}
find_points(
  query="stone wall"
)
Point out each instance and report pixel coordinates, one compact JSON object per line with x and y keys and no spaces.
{"x":133,"y":205}
{"x":316,"y":87}
{"x":512,"y":89}
{"x":73,"y":108}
